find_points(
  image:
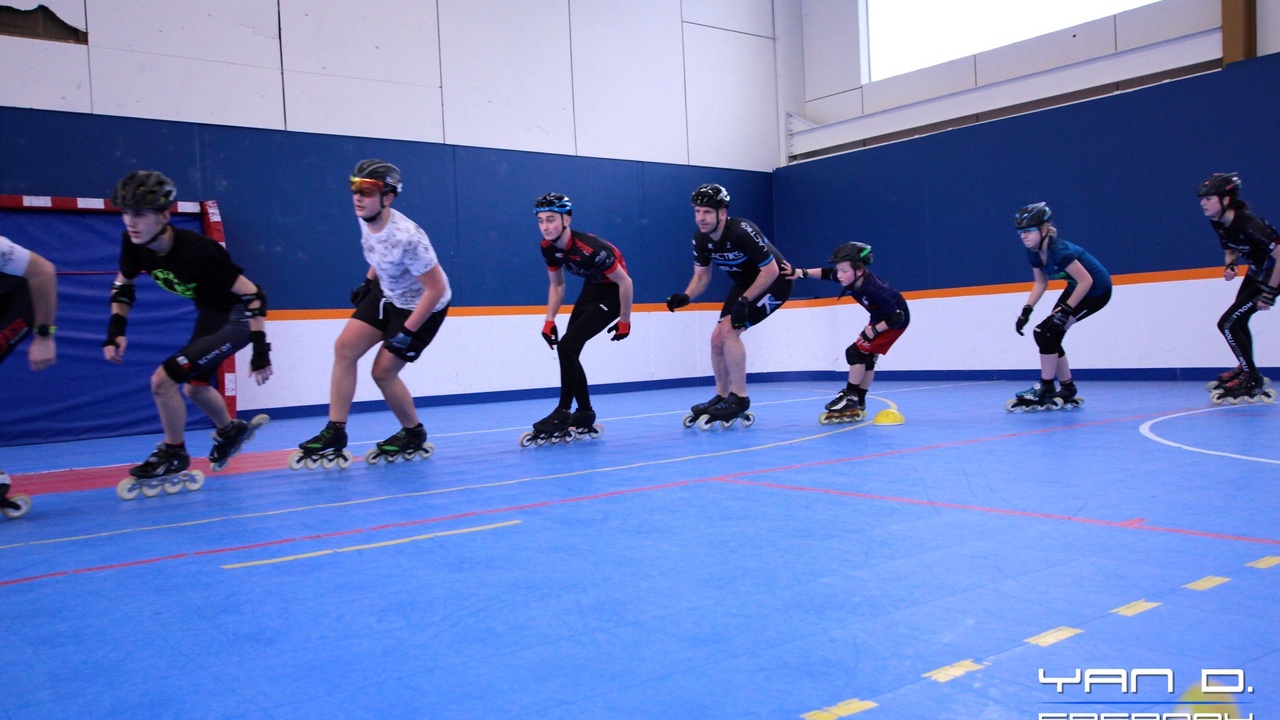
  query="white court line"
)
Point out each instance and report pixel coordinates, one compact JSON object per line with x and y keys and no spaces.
{"x":1145,"y":429}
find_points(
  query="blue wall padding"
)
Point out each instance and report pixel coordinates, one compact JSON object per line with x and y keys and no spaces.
{"x":287,"y":207}
{"x":83,"y":395}
{"x":1120,"y":173}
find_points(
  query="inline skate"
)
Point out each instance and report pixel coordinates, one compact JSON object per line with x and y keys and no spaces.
{"x":13,"y":506}
{"x":1040,"y":396}
{"x":1067,"y":394}
{"x":554,"y":428}
{"x":406,"y":444}
{"x":844,"y":408}
{"x":164,"y":469}
{"x":228,"y":441}
{"x":584,"y":424}
{"x":697,"y":411}
{"x":1245,"y":387}
{"x":1228,"y":376}
{"x":733,"y":407}
{"x":326,"y":450}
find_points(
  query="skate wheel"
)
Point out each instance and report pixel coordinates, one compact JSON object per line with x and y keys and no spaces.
{"x":328,"y":462}
{"x":1215,"y":397}
{"x":344,"y":460}
{"x":539,"y":440}
{"x":149,"y":491}
{"x":311,"y":463}
{"x":1268,"y":395}
{"x":426,"y":451}
{"x":824,"y":418}
{"x":173,"y":488}
{"x":705,"y":422}
{"x":526,"y":440}
{"x":127,"y":489}
{"x":1211,"y":385}
{"x":596,"y":431}
{"x":1233,"y":401}
{"x":257,"y":422}
{"x":690,"y":420}
{"x":1057,"y":403}
{"x":726,"y":424}
{"x":1008,"y":406}
{"x":748,"y":419}
{"x":373,"y":456}
{"x":195,"y":481}
{"x":295,"y":460}
{"x":569,"y":436}
{"x":24,"y":504}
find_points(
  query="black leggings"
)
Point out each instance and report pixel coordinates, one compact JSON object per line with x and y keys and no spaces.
{"x":596,"y":307}
{"x":1234,"y":323}
{"x":16,"y":317}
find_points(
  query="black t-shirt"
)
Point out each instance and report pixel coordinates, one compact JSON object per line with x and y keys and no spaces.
{"x":196,"y":267}
{"x":742,"y":250}
{"x":586,"y":256}
{"x":877,"y":296}
{"x":1253,"y":238}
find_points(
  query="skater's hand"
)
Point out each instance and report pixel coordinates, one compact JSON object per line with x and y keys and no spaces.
{"x":738,"y":314}
{"x":42,"y":353}
{"x":1023,"y":319}
{"x":1267,"y":298}
{"x":868,"y":334}
{"x":113,"y":350}
{"x":406,"y":347}
{"x":359,"y":294}
{"x":260,"y":362}
{"x":550,"y":333}
{"x":1061,"y":314}
{"x":620,"y":330}
{"x":678,"y":300}
{"x":1229,"y":272}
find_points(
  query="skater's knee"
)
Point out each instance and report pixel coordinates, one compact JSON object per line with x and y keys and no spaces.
{"x":166,"y":378}
{"x":385,"y":375}
{"x":1049,"y":339}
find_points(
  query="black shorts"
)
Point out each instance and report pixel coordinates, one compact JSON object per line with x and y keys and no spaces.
{"x":772,"y":299}
{"x":17,"y":315}
{"x":217,"y":336}
{"x":381,"y":313}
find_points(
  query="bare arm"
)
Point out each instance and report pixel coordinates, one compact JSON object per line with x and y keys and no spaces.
{"x":42,"y":279}
{"x":1084,"y":281}
{"x":768,"y":274}
{"x":433,"y":281}
{"x":625,"y":292}
{"x":555,"y":294}
{"x":1041,"y":283}
{"x":699,"y":282}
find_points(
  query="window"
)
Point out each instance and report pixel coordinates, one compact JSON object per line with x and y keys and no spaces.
{"x":906,"y":35}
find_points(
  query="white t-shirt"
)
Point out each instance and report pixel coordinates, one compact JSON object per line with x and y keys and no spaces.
{"x":399,"y":254}
{"x":13,"y":257}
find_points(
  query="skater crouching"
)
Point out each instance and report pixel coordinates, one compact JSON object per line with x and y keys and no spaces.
{"x":1088,"y":291}
{"x":889,"y":319}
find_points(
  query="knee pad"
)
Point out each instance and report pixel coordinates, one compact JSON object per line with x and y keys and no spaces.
{"x":178,"y":368}
{"x":871,"y":361}
{"x":857,"y":356}
{"x":1048,"y":337}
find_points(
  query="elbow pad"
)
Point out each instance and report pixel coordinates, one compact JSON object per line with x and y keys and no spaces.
{"x":124,"y":293}
{"x":255,"y":303}
{"x":895,"y":320}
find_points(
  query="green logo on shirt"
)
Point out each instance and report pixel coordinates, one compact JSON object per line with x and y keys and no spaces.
{"x":170,"y":282}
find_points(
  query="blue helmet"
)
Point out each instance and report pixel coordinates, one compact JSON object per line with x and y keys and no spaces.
{"x":554,"y":202}
{"x":1032,"y":216}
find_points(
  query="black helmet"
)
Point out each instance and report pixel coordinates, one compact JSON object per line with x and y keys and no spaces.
{"x":711,"y":196}
{"x":852,"y":252}
{"x":554,"y":202}
{"x":1220,"y":184}
{"x":380,"y":171}
{"x":1032,"y":216}
{"x":144,"y":190}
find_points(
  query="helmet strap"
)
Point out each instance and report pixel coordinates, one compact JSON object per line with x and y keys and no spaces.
{"x":159,"y":233}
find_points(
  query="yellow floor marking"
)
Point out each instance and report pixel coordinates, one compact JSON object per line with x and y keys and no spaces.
{"x":1266,"y":562}
{"x":369,"y":546}
{"x":1134,"y":608}
{"x":1207,"y":582}
{"x":459,"y":488}
{"x":844,"y":709}
{"x":1058,"y":634}
{"x":951,"y":672}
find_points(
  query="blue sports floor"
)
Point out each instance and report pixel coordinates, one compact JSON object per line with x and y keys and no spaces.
{"x":930,"y":570}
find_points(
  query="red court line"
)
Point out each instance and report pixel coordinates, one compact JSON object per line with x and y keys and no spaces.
{"x":339,"y":533}
{"x":75,"y":479}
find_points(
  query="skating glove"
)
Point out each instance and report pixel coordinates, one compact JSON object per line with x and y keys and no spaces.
{"x":1267,"y":297}
{"x":115,"y":329}
{"x":261,"y":359}
{"x":620,"y":330}
{"x":550,"y":333}
{"x":738,"y":314}
{"x":404,"y":346}
{"x":678,"y":300}
{"x":361,"y":292}
{"x":1062,"y":312}
{"x":1023,"y":319}
{"x":868,"y":334}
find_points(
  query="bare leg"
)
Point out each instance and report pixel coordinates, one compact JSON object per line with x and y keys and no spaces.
{"x":1063,"y":369}
{"x":867,"y":377}
{"x":386,"y":372}
{"x":719,"y":365}
{"x":1048,"y":366}
{"x":356,"y":339}
{"x":726,"y":342}
{"x":210,"y":402}
{"x":170,"y":405}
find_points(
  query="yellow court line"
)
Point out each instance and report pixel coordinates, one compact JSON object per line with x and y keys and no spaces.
{"x":1266,"y":562}
{"x":844,"y":709}
{"x":459,"y":488}
{"x":368,"y":546}
{"x":1205,"y":583}
{"x":1056,"y":635}
{"x":1133,"y":608}
{"x":953,"y":671}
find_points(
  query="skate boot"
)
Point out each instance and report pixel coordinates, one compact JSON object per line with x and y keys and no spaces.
{"x":13,"y":506}
{"x":228,"y":441}
{"x":164,"y":469}
{"x":583,"y":423}
{"x":844,"y":408}
{"x":1247,"y":387}
{"x":406,"y":444}
{"x":1228,"y":376}
{"x":550,"y":429}
{"x":326,"y":450}
{"x":733,"y":407}
{"x":1040,"y":396}
{"x":1067,"y":394}
{"x":697,"y":411}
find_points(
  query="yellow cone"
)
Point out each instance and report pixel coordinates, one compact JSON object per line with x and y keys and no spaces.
{"x":889,"y":416}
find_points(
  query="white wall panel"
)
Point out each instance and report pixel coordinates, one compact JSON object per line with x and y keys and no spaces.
{"x":506,"y":73}
{"x":44,"y":75}
{"x":733,"y":115}
{"x":831,"y":55}
{"x":338,"y":106}
{"x":1268,"y":26}
{"x":936,"y":81}
{"x":245,"y":32}
{"x":69,"y":11}
{"x":834,"y":107}
{"x":1166,"y":20}
{"x":392,"y":40}
{"x":747,"y":16}
{"x":171,"y":88}
{"x":628,"y":80}
{"x":1064,"y":47}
